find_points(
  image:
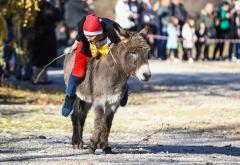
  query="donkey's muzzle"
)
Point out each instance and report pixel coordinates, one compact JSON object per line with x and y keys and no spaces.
{"x":143,"y":73}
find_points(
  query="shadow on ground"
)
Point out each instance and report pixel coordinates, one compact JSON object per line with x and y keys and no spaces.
{"x":164,"y":79}
{"x":179,"y":149}
{"x":142,"y":147}
{"x":10,"y":112}
{"x":136,"y":149}
{"x":189,"y":82}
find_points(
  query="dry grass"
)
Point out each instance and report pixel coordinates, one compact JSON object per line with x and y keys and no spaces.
{"x":144,"y":113}
{"x":25,"y":96}
{"x":37,"y":111}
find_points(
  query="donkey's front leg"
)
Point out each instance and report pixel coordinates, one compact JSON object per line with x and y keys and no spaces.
{"x":106,"y":123}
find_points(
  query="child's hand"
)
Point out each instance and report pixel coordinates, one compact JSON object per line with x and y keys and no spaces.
{"x":202,"y":39}
{"x":228,"y":15}
{"x":71,"y":50}
{"x":73,"y":47}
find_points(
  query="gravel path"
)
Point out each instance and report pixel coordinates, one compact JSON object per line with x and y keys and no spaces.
{"x":191,"y":117}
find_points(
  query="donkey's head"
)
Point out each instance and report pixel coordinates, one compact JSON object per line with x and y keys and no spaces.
{"x":134,"y":53}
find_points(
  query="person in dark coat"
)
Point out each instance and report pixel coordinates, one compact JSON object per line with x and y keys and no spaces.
{"x":236,"y":30}
{"x":74,"y":11}
{"x":44,"y":44}
{"x":223,"y":29}
{"x":164,"y":14}
{"x":179,"y":12}
{"x":207,"y":17}
{"x":201,"y":33}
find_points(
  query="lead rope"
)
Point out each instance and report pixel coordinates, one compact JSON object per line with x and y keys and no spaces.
{"x":35,"y":81}
{"x":115,"y":61}
{"x":113,"y":56}
{"x":62,"y":55}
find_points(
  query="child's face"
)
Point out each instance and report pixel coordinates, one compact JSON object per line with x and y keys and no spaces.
{"x":226,"y":7}
{"x":191,"y":22}
{"x":94,"y":38}
{"x":176,"y":2}
{"x":202,"y":26}
{"x":170,"y":24}
{"x":209,"y":8}
{"x":175,"y":21}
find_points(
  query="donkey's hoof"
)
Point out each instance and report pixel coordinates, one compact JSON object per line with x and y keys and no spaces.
{"x":107,"y":150}
{"x":91,"y":150}
{"x":78,"y":146}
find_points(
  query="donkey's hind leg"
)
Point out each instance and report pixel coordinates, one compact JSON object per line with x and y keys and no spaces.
{"x":94,"y":140}
{"x":78,"y":119}
{"x":106,"y":127}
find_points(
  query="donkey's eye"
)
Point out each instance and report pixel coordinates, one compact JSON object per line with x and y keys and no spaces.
{"x":133,"y":56}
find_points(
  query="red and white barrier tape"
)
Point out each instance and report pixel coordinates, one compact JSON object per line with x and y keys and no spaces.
{"x":212,"y":40}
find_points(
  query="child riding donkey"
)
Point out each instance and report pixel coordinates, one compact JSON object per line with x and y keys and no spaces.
{"x":93,"y":40}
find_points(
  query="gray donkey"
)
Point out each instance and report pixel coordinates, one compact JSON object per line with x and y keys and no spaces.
{"x":105,"y":84}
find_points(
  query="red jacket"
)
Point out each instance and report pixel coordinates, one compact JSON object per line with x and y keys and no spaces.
{"x":80,"y":63}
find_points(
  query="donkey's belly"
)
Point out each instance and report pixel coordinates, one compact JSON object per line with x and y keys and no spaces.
{"x":101,"y":99}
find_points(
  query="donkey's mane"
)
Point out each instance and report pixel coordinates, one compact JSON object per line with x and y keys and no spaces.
{"x":135,"y":40}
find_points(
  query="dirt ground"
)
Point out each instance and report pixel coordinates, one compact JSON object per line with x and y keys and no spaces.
{"x":186,"y":114}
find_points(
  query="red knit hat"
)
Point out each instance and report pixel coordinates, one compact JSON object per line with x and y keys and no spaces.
{"x":92,"y":26}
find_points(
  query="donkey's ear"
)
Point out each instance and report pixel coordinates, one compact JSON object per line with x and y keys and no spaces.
{"x":145,"y":30}
{"x":123,"y":34}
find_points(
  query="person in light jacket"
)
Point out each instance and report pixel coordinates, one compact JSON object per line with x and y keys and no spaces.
{"x":123,"y":15}
{"x":189,"y":38}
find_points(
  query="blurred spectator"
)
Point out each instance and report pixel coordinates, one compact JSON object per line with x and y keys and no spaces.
{"x":74,"y":10}
{"x":231,"y":33}
{"x":18,"y":49}
{"x":179,"y":12}
{"x":148,"y":19}
{"x":164,"y":13}
{"x":3,"y":37}
{"x":91,"y":5}
{"x":130,"y":18}
{"x":173,"y":34}
{"x":44,"y":44}
{"x":123,"y":15}
{"x":23,"y":57}
{"x":189,"y":37}
{"x":62,"y":40}
{"x":60,"y":5}
{"x":8,"y":48}
{"x":147,"y":16}
{"x":135,"y":9}
{"x":207,"y":18}
{"x":201,"y":40}
{"x":236,"y":30}
{"x":224,"y":17}
{"x":61,"y":34}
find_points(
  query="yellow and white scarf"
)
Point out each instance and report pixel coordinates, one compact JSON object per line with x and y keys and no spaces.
{"x":100,"y":49}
